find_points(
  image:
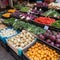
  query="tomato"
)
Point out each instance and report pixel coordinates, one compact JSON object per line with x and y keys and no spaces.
{"x":44,"y":20}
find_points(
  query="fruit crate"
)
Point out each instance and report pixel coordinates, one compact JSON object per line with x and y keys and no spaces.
{"x":4,"y":38}
{"x":43,"y":26}
{"x":11,"y":52}
{"x":39,"y":41}
{"x":55,"y":42}
{"x":19,"y":51}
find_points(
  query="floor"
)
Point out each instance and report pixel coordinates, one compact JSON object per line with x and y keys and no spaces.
{"x":4,"y":55}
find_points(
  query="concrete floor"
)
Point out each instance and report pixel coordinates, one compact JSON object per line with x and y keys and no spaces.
{"x":4,"y":55}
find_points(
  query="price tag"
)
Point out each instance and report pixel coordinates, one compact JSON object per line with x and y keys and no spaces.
{"x":46,"y":27}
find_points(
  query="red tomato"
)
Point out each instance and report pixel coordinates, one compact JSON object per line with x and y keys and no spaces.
{"x":44,"y":20}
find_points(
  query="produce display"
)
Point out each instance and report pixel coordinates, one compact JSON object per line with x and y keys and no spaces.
{"x":37,"y":16}
{"x":51,"y":13}
{"x":24,"y":9}
{"x":7,"y":32}
{"x":2,"y":26}
{"x":6,"y":15}
{"x":54,"y":6}
{"x":16,"y":14}
{"x":30,"y":17}
{"x":29,"y":27}
{"x":11,"y":10}
{"x":36,"y":11}
{"x":9,"y":21}
{"x":25,"y":16}
{"x":56,"y":24}
{"x":40,"y":4}
{"x":51,"y":37}
{"x":41,"y":52}
{"x":18,"y":6}
{"x":44,"y":20}
{"x":21,"y":40}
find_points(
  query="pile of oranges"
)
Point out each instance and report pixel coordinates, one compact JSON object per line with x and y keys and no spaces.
{"x":41,"y":52}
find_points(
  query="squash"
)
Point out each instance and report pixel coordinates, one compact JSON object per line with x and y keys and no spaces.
{"x":11,"y":10}
{"x":6,"y":15}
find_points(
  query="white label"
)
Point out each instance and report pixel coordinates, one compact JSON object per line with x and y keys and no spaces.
{"x":46,"y":27}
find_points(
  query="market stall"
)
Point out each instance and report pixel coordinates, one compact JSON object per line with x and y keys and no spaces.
{"x":31,"y":32}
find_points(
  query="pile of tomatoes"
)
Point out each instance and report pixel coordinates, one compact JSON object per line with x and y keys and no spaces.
{"x":44,"y":20}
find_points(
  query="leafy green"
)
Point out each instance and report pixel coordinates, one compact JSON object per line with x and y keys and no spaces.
{"x":18,"y":6}
{"x":21,"y":24}
{"x":56,"y":24}
{"x":51,"y":13}
{"x":9,"y":21}
{"x":30,"y":27}
{"x":24,"y":9}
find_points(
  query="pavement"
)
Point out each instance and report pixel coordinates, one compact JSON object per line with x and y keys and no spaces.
{"x":4,"y":55}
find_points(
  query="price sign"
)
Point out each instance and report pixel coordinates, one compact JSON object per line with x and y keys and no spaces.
{"x":46,"y":27}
